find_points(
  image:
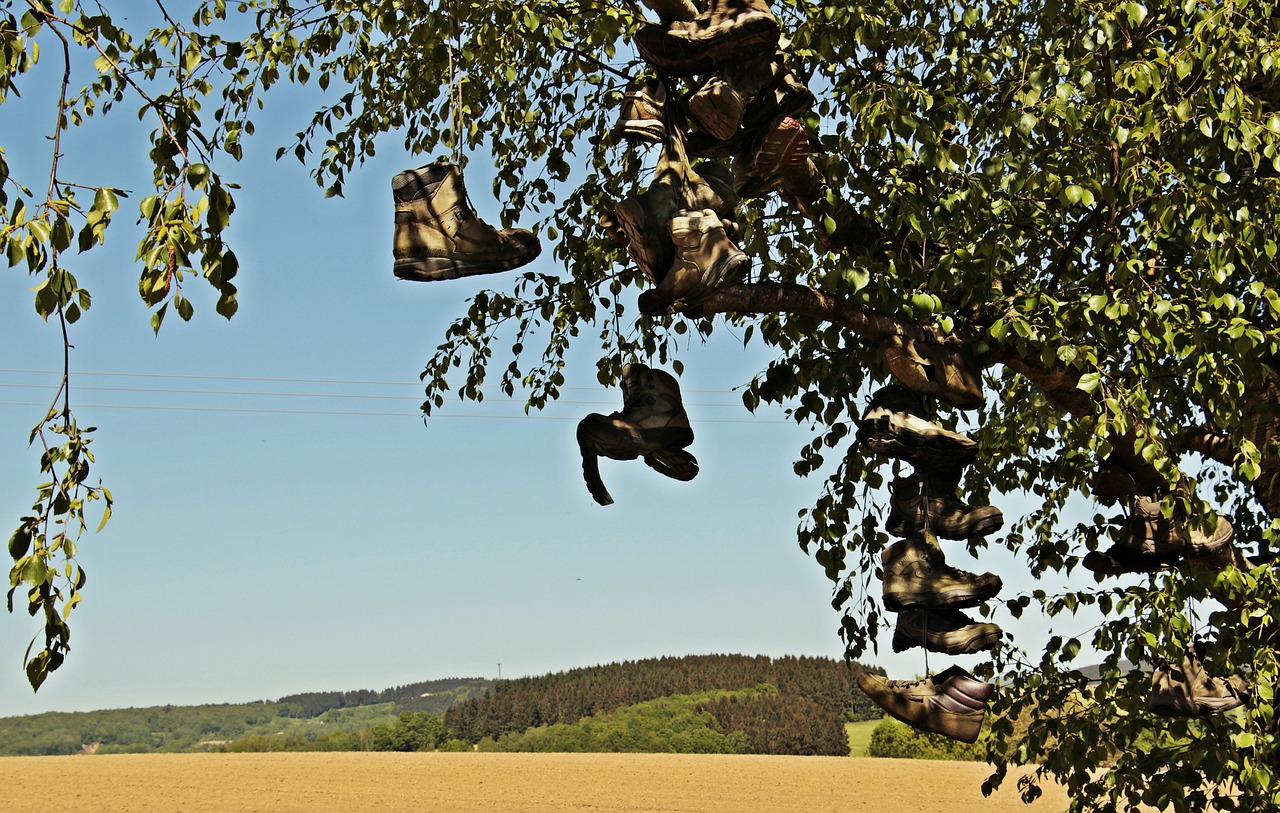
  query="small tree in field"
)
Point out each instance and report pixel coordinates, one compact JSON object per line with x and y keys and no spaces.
{"x":1085,"y":196}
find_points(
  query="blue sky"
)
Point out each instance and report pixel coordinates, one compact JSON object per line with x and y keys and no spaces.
{"x":284,"y":522}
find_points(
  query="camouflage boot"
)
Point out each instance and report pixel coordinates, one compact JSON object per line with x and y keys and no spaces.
{"x":728,"y":30}
{"x":439,"y":236}
{"x":651,"y":424}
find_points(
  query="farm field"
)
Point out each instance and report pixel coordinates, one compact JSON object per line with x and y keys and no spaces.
{"x":489,"y":782}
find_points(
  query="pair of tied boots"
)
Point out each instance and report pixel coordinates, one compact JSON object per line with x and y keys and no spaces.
{"x":1188,"y":690}
{"x":928,"y":595}
{"x":652,"y":425}
{"x":680,"y":233}
{"x":438,"y":234}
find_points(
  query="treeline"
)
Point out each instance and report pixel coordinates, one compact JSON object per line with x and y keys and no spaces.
{"x":432,"y":696}
{"x":808,"y":688}
{"x":316,"y":717}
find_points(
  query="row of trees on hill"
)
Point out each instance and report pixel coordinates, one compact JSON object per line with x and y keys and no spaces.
{"x":432,"y":696}
{"x":513,"y":706}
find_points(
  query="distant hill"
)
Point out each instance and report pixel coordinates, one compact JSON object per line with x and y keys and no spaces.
{"x":193,"y":728}
{"x":805,"y":714}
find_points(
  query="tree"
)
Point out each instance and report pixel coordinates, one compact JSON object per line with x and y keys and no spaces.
{"x":1083,"y":196}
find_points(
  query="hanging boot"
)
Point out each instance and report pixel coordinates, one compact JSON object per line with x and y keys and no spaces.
{"x":951,"y":703}
{"x":727,"y":30}
{"x":1149,"y":541}
{"x":783,"y":95}
{"x":718,"y":105}
{"x":645,"y":218}
{"x":892,"y":426}
{"x":948,"y":631}
{"x":706,"y":259}
{"x":947,"y":516}
{"x":1187,"y":690}
{"x":917,"y":577}
{"x":652,"y":424}
{"x":438,"y":235}
{"x":942,"y":371}
{"x":643,"y":115}
{"x":670,"y":11}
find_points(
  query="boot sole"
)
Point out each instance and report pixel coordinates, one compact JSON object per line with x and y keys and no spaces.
{"x":930,"y":600}
{"x":429,"y":269}
{"x":718,"y":117}
{"x":678,"y":55}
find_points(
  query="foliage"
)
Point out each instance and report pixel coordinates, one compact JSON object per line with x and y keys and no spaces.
{"x":1084,"y":195}
{"x":678,"y":724}
{"x":891,"y":738}
{"x":565,"y":697}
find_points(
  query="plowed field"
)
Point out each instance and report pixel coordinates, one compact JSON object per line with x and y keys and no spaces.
{"x":495,"y":783}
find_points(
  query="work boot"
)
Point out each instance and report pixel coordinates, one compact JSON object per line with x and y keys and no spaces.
{"x":645,"y":219}
{"x":1113,"y":482}
{"x":892,"y":426}
{"x":917,"y":577}
{"x":947,"y":516}
{"x":951,"y":703}
{"x":1187,"y":690}
{"x":718,"y":105}
{"x":945,"y":371}
{"x":706,"y":259}
{"x":948,"y":631}
{"x":670,"y":11}
{"x":651,"y":424}
{"x":782,"y":95}
{"x":439,"y":236}
{"x":1149,"y":541}
{"x":644,"y":111}
{"x":728,"y":30}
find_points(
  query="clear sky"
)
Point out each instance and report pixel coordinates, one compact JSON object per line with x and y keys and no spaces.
{"x":284,"y":521}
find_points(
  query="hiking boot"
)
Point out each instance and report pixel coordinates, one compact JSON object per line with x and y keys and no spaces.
{"x":1187,"y":690}
{"x":645,"y":218}
{"x":1113,"y":482}
{"x":1149,"y":541}
{"x":439,"y":236}
{"x":945,"y":371}
{"x":727,"y":30}
{"x":951,"y":703}
{"x":892,"y":426}
{"x":644,"y":111}
{"x":718,"y":106}
{"x":946,"y":515}
{"x":917,"y":577}
{"x":670,"y":11}
{"x":782,"y":95}
{"x":947,"y":631}
{"x":706,"y":259}
{"x":651,"y":424}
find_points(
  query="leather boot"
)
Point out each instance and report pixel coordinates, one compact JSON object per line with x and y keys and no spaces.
{"x":948,"y":517}
{"x":942,"y":371}
{"x":951,"y":703}
{"x":652,"y":424}
{"x":727,"y":30}
{"x":643,"y":115}
{"x":439,"y":236}
{"x":917,"y":577}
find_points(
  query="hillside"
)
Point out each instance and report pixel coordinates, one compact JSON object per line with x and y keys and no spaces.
{"x":188,"y":728}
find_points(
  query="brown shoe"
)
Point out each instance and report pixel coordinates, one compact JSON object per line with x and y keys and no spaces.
{"x":643,"y":115}
{"x":942,"y":371}
{"x":916,"y":577}
{"x":1186,"y":690}
{"x":728,"y":30}
{"x":670,"y":11}
{"x":951,"y":703}
{"x":946,"y":515}
{"x":438,"y":235}
{"x":706,"y":259}
{"x":947,"y":631}
{"x":892,"y":426}
{"x":651,"y":424}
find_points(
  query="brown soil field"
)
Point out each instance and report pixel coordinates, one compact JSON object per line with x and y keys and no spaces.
{"x":496,"y":783}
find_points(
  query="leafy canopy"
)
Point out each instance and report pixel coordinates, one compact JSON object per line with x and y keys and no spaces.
{"x":1084,"y":194}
